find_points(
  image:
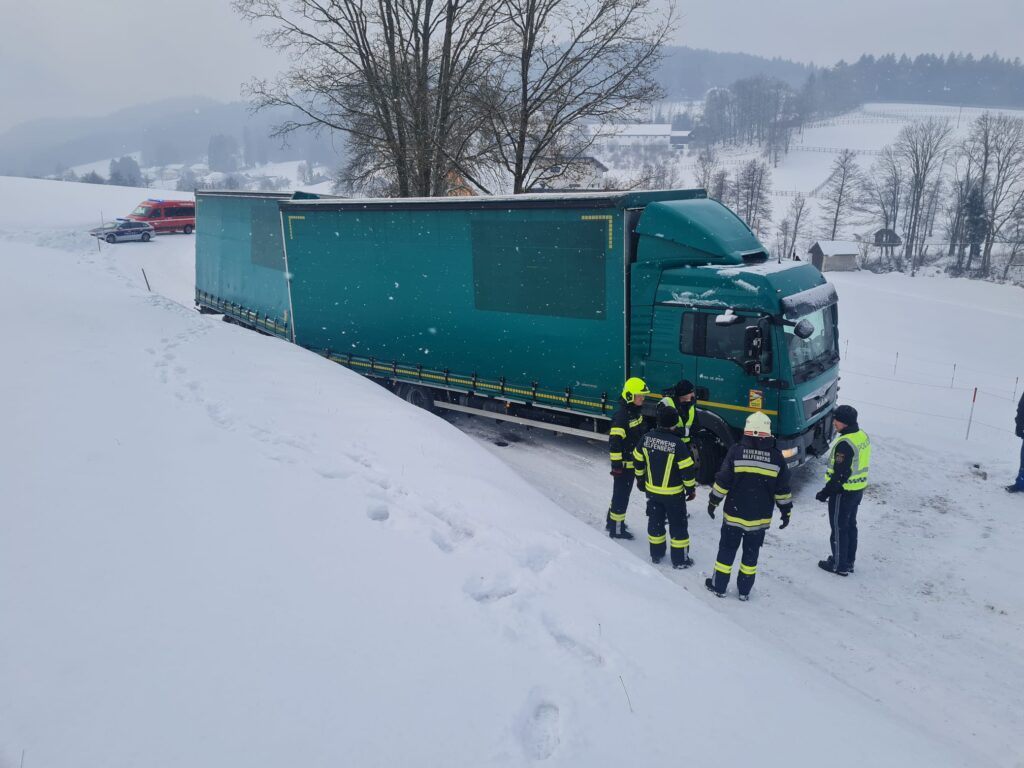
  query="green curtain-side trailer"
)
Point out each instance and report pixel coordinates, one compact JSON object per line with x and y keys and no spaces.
{"x":240,"y":269}
{"x":522,"y":298}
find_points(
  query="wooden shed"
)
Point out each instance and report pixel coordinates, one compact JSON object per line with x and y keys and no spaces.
{"x":835,"y":256}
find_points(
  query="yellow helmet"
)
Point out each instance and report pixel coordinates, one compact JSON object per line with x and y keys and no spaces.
{"x":634,"y":387}
{"x":758,"y":424}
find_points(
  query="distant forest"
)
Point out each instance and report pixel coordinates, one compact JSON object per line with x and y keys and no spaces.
{"x":956,"y":79}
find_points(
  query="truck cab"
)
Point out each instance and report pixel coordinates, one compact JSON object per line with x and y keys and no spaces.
{"x":752,"y":334}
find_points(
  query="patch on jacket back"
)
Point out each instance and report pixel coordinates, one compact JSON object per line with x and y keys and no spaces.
{"x":657,"y":444}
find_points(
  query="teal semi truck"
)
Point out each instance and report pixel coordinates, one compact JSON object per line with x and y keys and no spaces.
{"x":535,"y":308}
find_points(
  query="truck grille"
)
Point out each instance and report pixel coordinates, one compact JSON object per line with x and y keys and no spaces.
{"x":820,"y":400}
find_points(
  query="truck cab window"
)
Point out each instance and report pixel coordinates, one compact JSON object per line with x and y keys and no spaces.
{"x":724,"y":341}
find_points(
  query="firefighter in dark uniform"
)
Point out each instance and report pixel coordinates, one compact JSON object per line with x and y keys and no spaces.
{"x":684,"y":401}
{"x":845,"y":480}
{"x":754,"y":478}
{"x":627,"y":426}
{"x":665,"y":470}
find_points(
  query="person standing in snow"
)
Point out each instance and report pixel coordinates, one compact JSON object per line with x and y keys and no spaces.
{"x":665,"y":471}
{"x":754,"y":478}
{"x":1018,"y":486}
{"x":684,"y":402}
{"x":845,"y":480}
{"x":627,"y":426}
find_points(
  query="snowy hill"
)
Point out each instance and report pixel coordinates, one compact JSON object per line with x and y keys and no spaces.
{"x":217,"y":549}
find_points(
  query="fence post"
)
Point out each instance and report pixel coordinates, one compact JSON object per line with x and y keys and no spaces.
{"x":971,"y":417}
{"x":953,"y":377}
{"x":895,"y":365}
{"x":1016,"y":383}
{"x":846,"y":352}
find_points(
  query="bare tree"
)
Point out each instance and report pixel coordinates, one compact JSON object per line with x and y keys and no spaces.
{"x":395,"y":75}
{"x":752,"y":194}
{"x":561,"y":64}
{"x":707,"y":166}
{"x":798,"y":227}
{"x":996,"y":148}
{"x":842,"y":193}
{"x":921,"y":148}
{"x":721,"y":186}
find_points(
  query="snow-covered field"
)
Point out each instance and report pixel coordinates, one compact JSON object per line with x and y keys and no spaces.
{"x":217,"y":549}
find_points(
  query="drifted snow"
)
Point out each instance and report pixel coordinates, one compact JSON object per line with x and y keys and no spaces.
{"x":218,"y":549}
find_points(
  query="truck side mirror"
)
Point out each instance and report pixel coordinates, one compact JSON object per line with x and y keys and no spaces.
{"x":804,"y":329}
{"x":753,"y":341}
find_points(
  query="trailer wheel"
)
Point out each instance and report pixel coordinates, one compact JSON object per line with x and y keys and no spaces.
{"x":708,"y":453}
{"x":418,"y":396}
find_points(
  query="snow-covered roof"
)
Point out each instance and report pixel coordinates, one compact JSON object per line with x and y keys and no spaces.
{"x":635,"y":130}
{"x":838,"y":247}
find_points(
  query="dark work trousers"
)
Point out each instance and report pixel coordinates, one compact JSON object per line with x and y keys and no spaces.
{"x":671,"y":508}
{"x":727,"y":546}
{"x":623,"y":484}
{"x":1020,"y":474}
{"x":842,"y":518}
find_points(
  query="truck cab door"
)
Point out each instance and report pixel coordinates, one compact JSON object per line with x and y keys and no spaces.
{"x":671,"y":355}
{"x":734,"y":367}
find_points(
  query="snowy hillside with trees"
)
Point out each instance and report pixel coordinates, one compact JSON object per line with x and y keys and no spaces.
{"x":218,"y":549}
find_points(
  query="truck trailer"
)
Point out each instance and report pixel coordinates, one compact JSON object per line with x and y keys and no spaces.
{"x":536,"y":308}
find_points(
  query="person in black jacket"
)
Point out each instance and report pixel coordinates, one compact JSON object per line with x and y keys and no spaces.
{"x":754,"y":478}
{"x":665,"y":471}
{"x":684,"y":401}
{"x":846,"y":478}
{"x":627,"y":426}
{"x":1018,"y":486}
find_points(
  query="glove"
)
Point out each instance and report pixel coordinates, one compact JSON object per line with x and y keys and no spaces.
{"x":711,"y":510}
{"x":822,"y":495}
{"x":641,"y":485}
{"x":691,"y":494}
{"x":616,"y":471}
{"x":785,"y":521}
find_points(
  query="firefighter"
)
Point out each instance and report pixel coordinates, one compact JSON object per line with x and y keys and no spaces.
{"x":754,"y":478}
{"x":684,"y":401}
{"x":627,"y":426}
{"x":846,"y":478}
{"x":665,"y":470}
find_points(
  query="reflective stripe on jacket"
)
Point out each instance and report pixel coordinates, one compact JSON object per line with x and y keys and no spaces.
{"x":664,"y":462}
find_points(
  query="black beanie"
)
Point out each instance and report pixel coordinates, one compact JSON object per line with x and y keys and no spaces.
{"x":846,"y":414}
{"x":683,"y":388}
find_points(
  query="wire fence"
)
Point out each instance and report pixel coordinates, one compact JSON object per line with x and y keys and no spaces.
{"x":967,"y":380}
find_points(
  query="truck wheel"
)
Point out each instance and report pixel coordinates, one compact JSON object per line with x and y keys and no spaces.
{"x":707,"y":454}
{"x":418,"y":396}
{"x":188,"y":229}
{"x":145,"y":237}
{"x":110,"y":239}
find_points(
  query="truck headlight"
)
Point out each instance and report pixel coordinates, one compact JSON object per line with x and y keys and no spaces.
{"x":789,"y":453}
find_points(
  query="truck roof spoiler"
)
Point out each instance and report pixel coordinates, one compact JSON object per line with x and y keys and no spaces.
{"x":811,"y":300}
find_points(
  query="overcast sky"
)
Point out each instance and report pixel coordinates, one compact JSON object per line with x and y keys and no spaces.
{"x":73,"y":58}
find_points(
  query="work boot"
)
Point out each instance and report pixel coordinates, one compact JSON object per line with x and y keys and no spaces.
{"x":625,"y":533}
{"x":656,"y":559}
{"x":1014,"y":488}
{"x":744,"y":598}
{"x":830,"y":566}
{"x":710,"y":584}
{"x":684,"y":563}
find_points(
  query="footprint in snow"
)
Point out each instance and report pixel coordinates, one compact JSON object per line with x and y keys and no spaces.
{"x":540,"y":728}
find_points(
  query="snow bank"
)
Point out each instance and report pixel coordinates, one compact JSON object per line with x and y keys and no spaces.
{"x":217,"y":549}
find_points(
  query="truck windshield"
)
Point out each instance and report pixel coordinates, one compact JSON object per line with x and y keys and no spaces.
{"x":143,"y":211}
{"x":813,"y":355}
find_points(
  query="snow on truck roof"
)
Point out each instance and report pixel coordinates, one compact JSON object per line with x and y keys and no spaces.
{"x":612,"y":199}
